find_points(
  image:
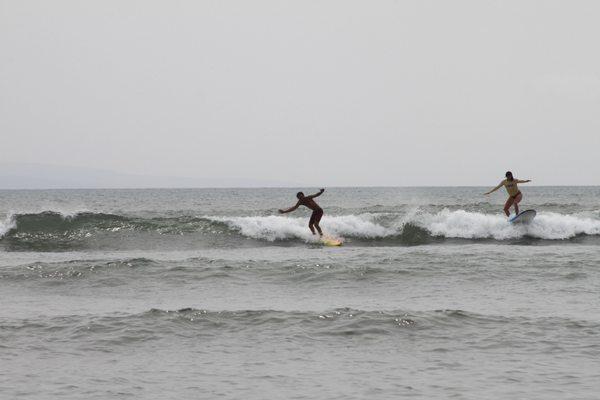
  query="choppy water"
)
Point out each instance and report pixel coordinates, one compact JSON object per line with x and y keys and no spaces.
{"x":209,"y":293}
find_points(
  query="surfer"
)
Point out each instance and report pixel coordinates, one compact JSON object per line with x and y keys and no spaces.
{"x":514,"y":194}
{"x":317,"y":212}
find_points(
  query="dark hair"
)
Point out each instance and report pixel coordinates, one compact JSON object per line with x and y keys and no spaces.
{"x":509,"y":175}
{"x":299,"y":194}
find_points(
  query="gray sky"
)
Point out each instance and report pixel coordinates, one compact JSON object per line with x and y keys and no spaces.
{"x":313,"y":92}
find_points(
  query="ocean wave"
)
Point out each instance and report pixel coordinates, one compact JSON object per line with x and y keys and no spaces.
{"x":132,"y":271}
{"x":113,"y":330}
{"x":274,"y":228}
{"x":124,"y":272}
{"x":311,"y":269}
{"x":51,"y":230}
{"x":444,"y":224}
{"x":66,"y":271}
{"x":340,"y":321}
{"x":413,"y":227}
{"x":472,"y":225}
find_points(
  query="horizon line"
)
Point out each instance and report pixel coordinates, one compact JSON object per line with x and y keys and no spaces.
{"x":277,"y":187}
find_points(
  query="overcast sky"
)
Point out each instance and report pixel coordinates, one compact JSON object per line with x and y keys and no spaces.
{"x":316,"y":92}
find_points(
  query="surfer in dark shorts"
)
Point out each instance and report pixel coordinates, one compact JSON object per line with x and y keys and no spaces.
{"x":514,"y":194}
{"x":317,"y":212}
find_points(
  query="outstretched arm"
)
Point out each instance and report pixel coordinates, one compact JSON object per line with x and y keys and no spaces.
{"x":526,"y":181}
{"x":287,"y":210}
{"x":496,"y":188}
{"x":312,"y":196}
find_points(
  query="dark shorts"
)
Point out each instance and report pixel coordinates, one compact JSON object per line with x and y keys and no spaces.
{"x":315,"y":217}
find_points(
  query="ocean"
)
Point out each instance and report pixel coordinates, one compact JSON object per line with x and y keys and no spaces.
{"x":210,"y":293}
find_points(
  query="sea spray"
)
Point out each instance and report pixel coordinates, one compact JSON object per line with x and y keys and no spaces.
{"x":8,"y":224}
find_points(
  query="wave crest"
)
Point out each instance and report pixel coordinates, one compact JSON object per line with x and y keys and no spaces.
{"x":415,"y":227}
{"x":473,"y":225}
{"x":274,"y":228}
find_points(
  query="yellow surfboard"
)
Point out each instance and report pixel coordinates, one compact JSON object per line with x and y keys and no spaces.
{"x":329,"y":241}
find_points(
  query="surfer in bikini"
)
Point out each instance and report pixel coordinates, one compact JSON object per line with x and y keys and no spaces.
{"x":317,"y":212}
{"x":514,"y":194}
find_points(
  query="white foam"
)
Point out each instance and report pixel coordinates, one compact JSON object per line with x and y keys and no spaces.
{"x":69,"y":214}
{"x":472,"y":225}
{"x":560,"y":226}
{"x":446,"y":223}
{"x":273,"y":228}
{"x":8,"y":224}
{"x":468,"y":225}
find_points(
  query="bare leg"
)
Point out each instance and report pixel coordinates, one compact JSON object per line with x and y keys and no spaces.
{"x":517,"y":201}
{"x":507,"y":205}
{"x":318,"y":221}
{"x":319,"y":229}
{"x":315,"y":218}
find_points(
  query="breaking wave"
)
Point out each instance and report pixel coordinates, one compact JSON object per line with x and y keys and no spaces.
{"x":417,"y":227}
{"x":274,"y":228}
{"x":472,"y":225}
{"x":445,"y":224}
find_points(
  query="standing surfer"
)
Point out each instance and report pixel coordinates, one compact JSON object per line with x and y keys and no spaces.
{"x":317,"y":212}
{"x":514,"y":194}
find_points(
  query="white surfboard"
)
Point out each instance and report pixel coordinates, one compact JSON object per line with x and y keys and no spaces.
{"x":524,"y":217}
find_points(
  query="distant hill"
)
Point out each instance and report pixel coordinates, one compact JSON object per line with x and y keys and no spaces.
{"x":42,"y":176}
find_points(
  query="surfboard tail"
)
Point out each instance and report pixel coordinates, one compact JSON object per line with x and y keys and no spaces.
{"x":524,"y":217}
